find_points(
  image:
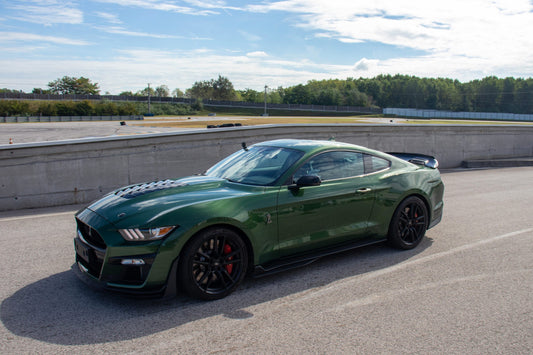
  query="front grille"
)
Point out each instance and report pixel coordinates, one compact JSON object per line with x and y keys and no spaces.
{"x":91,"y":235}
{"x":94,"y":263}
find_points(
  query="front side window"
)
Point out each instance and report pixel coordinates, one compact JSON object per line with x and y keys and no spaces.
{"x":258,"y":165}
{"x":333,"y":165}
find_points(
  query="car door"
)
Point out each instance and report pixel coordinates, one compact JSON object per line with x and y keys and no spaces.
{"x":334,"y":212}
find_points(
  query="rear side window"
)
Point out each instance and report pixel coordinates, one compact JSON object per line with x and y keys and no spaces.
{"x":333,"y":165}
{"x":374,"y":164}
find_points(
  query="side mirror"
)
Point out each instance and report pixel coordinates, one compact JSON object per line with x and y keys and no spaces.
{"x":306,"y":180}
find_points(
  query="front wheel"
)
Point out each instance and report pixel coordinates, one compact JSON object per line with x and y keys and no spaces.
{"x":213,"y":264}
{"x":408,"y":224}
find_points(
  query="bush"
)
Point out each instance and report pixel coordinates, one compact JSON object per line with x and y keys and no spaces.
{"x":170,"y":109}
{"x":127,"y":109}
{"x":198,"y":105}
{"x":106,"y":108}
{"x":84,"y":108}
{"x":66,"y":108}
{"x":89,"y":108}
{"x":46,"y":109}
{"x":14,"y":108}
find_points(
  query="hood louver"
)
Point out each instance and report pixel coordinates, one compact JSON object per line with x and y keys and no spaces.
{"x":141,"y":189}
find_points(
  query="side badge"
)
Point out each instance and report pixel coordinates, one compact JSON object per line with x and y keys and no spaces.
{"x":268,"y":218}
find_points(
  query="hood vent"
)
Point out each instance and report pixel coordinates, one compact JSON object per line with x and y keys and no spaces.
{"x":141,"y":189}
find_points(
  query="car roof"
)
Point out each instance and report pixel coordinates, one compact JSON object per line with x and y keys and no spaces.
{"x":307,"y":145}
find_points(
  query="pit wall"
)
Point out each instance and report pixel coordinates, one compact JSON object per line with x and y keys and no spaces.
{"x":79,"y":171}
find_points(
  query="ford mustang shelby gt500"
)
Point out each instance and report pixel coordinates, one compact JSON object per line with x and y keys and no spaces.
{"x":265,"y":208}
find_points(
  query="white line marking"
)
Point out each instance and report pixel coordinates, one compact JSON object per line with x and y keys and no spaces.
{"x":9,"y":219}
{"x":333,"y":287}
{"x":394,"y":294}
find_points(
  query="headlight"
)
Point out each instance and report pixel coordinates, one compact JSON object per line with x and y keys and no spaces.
{"x":140,"y":235}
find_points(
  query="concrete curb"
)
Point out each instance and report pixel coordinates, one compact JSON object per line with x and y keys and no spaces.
{"x":498,"y":163}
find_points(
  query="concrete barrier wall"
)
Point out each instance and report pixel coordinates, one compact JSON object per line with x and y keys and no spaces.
{"x":78,"y":171}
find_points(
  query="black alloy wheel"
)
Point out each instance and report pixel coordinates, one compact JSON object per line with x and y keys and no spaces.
{"x":213,"y":264}
{"x":409,"y":223}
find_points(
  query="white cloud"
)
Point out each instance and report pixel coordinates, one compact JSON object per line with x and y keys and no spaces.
{"x":168,"y":6}
{"x":250,"y":36}
{"x":47,"y":12}
{"x":492,"y":33}
{"x":122,"y":31}
{"x":132,"y":69}
{"x":30,"y":37}
{"x":257,"y":54}
{"x":457,"y":39}
{"x":364,"y":65}
{"x":111,"y":18}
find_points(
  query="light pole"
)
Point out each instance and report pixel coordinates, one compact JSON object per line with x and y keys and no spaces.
{"x":149,"y":99}
{"x":265,"y":114}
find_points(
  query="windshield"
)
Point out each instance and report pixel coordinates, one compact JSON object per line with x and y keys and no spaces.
{"x":258,"y":165}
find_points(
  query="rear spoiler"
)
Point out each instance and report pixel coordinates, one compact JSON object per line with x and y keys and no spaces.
{"x":419,"y":159}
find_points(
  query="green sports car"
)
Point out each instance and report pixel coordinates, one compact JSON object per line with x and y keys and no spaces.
{"x":266,"y":208}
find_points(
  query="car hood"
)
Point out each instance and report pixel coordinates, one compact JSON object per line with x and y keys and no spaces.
{"x":145,"y":204}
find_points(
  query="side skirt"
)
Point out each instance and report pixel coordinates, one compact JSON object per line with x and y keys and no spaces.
{"x":300,"y":260}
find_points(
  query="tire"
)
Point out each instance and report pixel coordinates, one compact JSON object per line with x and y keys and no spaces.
{"x":213,"y":264}
{"x":409,"y":224}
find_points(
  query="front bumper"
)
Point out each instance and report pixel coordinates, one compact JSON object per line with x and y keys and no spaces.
{"x":166,"y":291}
{"x":131,"y":269}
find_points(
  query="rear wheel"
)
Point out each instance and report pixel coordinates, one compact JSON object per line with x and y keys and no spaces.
{"x":409,"y":223}
{"x":213,"y":264}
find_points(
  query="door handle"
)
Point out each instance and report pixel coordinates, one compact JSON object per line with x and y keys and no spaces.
{"x":364,"y":190}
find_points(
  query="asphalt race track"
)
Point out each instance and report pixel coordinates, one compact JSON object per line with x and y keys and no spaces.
{"x":467,"y":289}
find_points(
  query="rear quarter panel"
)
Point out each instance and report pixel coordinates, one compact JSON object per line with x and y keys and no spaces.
{"x":396,"y":184}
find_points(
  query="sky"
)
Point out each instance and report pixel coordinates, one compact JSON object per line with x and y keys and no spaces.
{"x":125,"y":44}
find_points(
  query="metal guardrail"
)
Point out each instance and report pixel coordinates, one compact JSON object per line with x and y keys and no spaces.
{"x":493,"y":116}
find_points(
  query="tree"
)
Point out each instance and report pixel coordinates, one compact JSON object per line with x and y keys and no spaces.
{"x":162,"y":91}
{"x":223,"y":89}
{"x":251,"y":95}
{"x":489,"y":93}
{"x":508,"y":95}
{"x":200,"y":90}
{"x":10,"y":91}
{"x":219,"y":89}
{"x":328,"y":96}
{"x":177,"y":93}
{"x":126,"y":93}
{"x":147,"y":91}
{"x":298,"y":94}
{"x":274,"y":97}
{"x":70,"y":85}
{"x":524,"y":96}
{"x":40,"y":91}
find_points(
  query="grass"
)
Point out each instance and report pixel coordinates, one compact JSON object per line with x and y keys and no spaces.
{"x":246,"y":111}
{"x":202,"y":122}
{"x":247,"y":121}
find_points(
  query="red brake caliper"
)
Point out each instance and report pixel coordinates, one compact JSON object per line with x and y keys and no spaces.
{"x":227,"y":250}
